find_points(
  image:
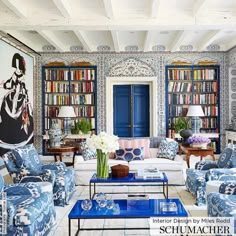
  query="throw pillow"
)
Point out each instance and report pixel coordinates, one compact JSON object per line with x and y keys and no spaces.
{"x":27,"y":158}
{"x":226,"y":157}
{"x":168,"y":149}
{"x":87,"y":153}
{"x":129,"y":154}
{"x":136,"y":142}
{"x":228,"y":188}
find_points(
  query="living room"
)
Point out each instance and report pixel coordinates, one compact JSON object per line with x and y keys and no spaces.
{"x":130,"y":70}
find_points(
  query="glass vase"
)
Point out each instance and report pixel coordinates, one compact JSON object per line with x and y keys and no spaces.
{"x":102,"y":164}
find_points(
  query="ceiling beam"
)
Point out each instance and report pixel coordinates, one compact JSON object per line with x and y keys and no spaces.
{"x":154,"y":8}
{"x":108,"y":8}
{"x":115,"y":39}
{"x":147,"y":41}
{"x":63,"y":7}
{"x":178,"y":41}
{"x":52,"y":39}
{"x":17,"y":7}
{"x":83,"y":39}
{"x":208,"y":40}
{"x":198,"y":6}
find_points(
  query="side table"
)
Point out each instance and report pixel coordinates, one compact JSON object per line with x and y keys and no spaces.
{"x":196,"y":151}
{"x":58,"y":151}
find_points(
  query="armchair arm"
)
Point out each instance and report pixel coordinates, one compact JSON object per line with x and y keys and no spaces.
{"x":57,"y":166}
{"x":216,"y":174}
{"x":206,"y":165}
{"x":44,"y":176}
{"x":228,"y":188}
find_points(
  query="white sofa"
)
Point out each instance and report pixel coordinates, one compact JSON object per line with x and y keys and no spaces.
{"x":173,"y":169}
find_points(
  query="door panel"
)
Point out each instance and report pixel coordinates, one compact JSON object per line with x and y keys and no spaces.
{"x":131,"y":110}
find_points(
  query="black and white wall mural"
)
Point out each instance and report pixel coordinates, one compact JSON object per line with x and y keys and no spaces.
{"x":16,"y":97}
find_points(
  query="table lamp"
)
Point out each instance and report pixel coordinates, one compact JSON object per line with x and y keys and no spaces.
{"x":195,"y":111}
{"x":67,"y":112}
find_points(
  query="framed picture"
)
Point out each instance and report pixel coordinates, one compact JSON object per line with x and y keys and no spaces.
{"x":16,"y":97}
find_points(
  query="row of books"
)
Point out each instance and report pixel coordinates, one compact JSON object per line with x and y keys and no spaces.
{"x":178,"y":86}
{"x":205,"y":87}
{"x":87,"y":99}
{"x":56,"y":99}
{"x":82,"y":87}
{"x":205,"y":98}
{"x":179,"y":74}
{"x":179,"y":99}
{"x":55,"y":74}
{"x":177,"y":111}
{"x":209,"y":122}
{"x":56,"y":87}
{"x":81,"y":111}
{"x":210,"y":110}
{"x":83,"y":74}
{"x":205,"y":74}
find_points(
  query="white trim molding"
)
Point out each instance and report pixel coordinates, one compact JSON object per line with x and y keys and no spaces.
{"x":151,"y":81}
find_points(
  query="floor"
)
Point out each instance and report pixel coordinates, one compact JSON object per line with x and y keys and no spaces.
{"x":61,"y":228}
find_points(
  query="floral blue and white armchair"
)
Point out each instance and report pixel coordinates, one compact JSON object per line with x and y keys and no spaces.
{"x":208,"y":170}
{"x":24,"y":165}
{"x":223,"y":203}
{"x":30,"y":208}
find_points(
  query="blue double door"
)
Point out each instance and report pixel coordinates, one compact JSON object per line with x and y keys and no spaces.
{"x":131,"y":109}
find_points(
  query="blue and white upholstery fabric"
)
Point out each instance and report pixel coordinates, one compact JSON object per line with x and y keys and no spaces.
{"x":227,"y":158}
{"x":129,"y":154}
{"x":86,"y":152}
{"x":222,"y":205}
{"x":168,"y":149}
{"x":22,"y":171}
{"x":228,"y":188}
{"x":196,"y":181}
{"x":205,"y":165}
{"x":30,"y":209}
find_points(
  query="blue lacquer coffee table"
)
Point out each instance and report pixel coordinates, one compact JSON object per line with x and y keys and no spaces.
{"x":130,"y":179}
{"x":127,"y":209}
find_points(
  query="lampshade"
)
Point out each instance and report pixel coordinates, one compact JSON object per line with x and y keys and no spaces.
{"x":195,"y":110}
{"x":66,"y":111}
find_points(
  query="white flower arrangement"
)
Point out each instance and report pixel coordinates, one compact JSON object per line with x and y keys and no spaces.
{"x":103,"y":141}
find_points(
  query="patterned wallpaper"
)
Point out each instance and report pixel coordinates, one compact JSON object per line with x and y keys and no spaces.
{"x":131,"y":64}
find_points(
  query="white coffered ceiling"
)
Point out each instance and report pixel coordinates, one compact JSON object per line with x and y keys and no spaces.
{"x":121,"y":25}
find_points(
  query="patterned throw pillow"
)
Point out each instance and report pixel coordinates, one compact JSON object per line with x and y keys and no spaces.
{"x":87,"y":153}
{"x":27,"y":158}
{"x":228,"y":188}
{"x":129,"y":154}
{"x":168,"y":149}
{"x":225,"y":159}
{"x":136,"y":142}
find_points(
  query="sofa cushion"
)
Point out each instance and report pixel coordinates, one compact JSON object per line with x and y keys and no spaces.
{"x":168,"y":149}
{"x":10,"y":161}
{"x":129,"y":154}
{"x":27,"y":158}
{"x":136,"y":142}
{"x":225,"y":159}
{"x":87,"y":153}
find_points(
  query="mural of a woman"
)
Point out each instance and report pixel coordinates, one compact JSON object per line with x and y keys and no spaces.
{"x":16,"y":115}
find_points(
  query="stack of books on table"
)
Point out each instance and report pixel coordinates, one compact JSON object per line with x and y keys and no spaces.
{"x":149,"y":173}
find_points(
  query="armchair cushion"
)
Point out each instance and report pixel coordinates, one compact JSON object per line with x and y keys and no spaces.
{"x":10,"y":161}
{"x":228,"y":188}
{"x":27,"y":157}
{"x":206,"y":165}
{"x":226,"y":158}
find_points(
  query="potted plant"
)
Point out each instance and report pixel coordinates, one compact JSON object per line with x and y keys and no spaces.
{"x":182,"y":126}
{"x":82,"y":126}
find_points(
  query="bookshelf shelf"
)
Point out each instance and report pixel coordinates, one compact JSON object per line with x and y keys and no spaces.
{"x":193,"y":84}
{"x":69,"y":85}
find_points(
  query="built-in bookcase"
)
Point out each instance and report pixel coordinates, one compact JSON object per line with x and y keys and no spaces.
{"x":198,"y":85}
{"x":63,"y":85}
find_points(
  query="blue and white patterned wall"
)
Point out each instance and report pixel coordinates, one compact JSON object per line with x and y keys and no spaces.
{"x":118,"y":64}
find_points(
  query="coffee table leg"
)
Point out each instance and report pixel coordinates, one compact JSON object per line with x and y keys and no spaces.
{"x":167,"y":186}
{"x":69,"y":228}
{"x":94,"y":190}
{"x":90,"y":191}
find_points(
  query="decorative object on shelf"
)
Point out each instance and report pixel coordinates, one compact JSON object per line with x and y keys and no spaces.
{"x":86,"y":204}
{"x":195,"y":111}
{"x":198,"y":141}
{"x":67,"y":112}
{"x":55,"y":135}
{"x":119,"y":171}
{"x":104,"y":144}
